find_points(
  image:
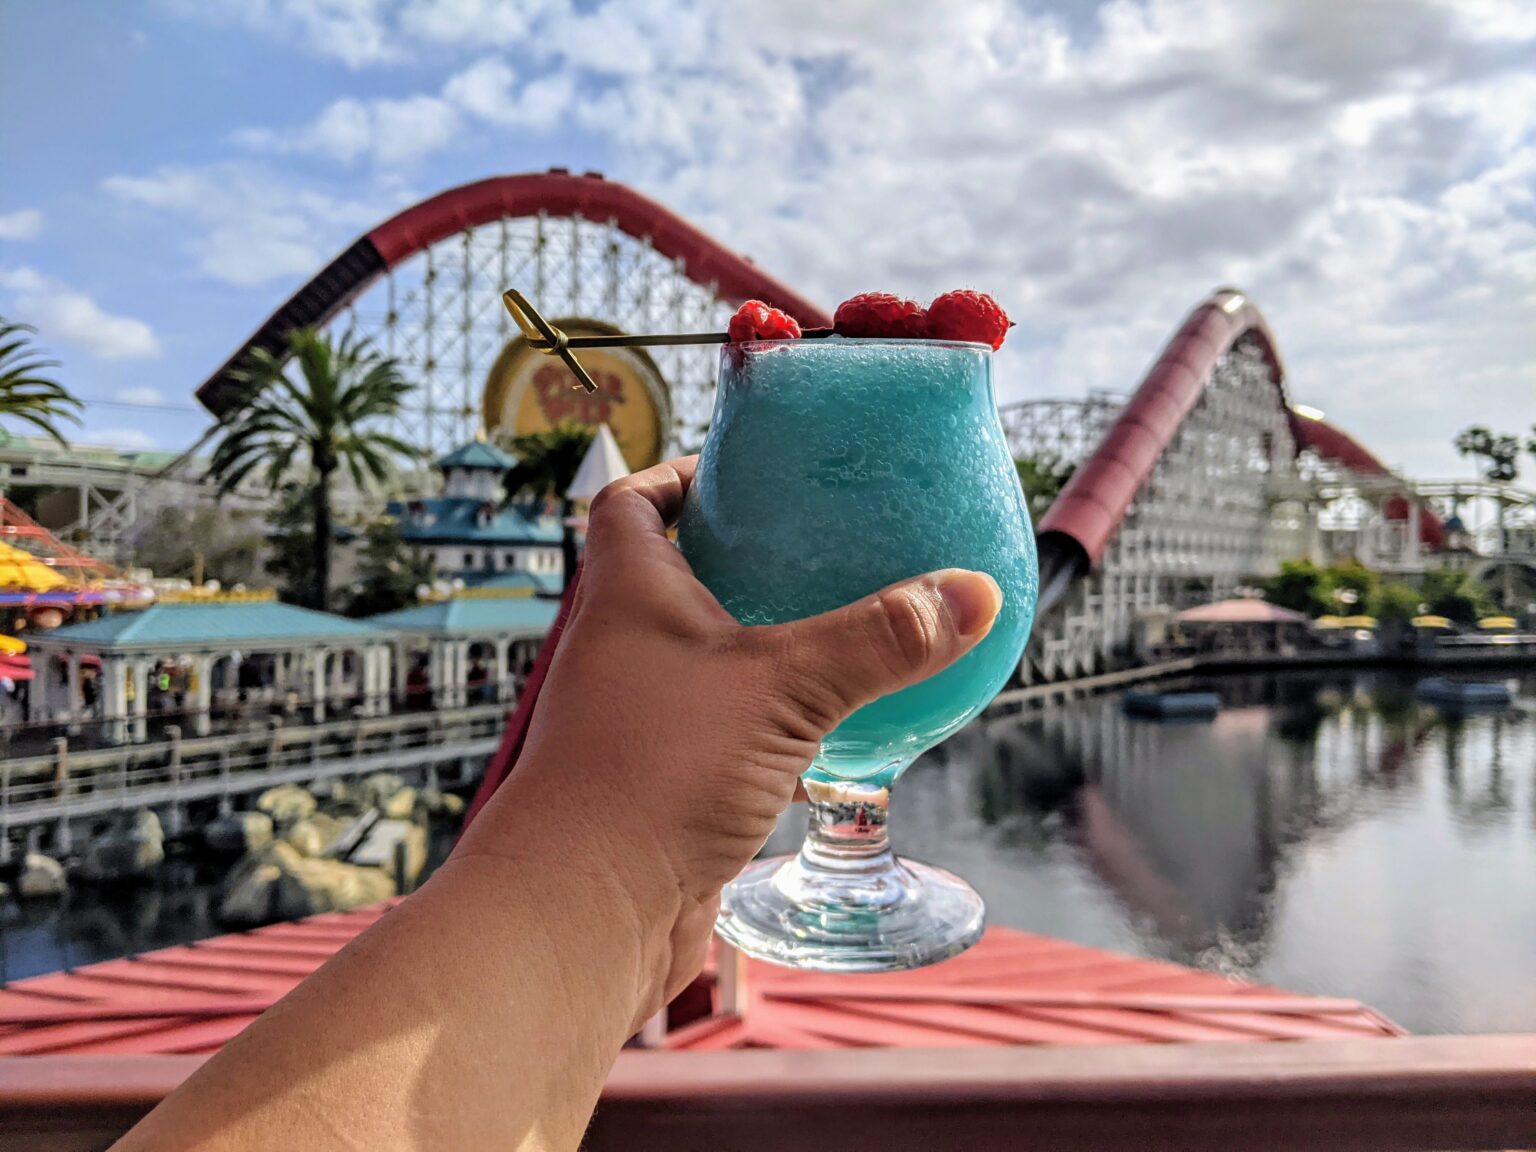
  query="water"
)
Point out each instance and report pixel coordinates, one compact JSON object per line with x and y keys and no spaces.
{"x":1325,"y":834}
{"x":177,"y":905}
{"x":834,"y":468}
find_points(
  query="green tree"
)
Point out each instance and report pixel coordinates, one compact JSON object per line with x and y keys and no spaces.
{"x":306,"y":426}
{"x":1042,"y":478}
{"x":204,"y":542}
{"x":546,"y":465}
{"x":1301,"y":586}
{"x":290,"y":526}
{"x":1348,"y":585}
{"x":1396,"y":601}
{"x":1455,"y":596}
{"x":1502,"y":452}
{"x":27,"y":393}
{"x":388,"y":571}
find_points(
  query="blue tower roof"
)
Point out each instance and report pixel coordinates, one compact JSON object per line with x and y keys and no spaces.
{"x":477,"y":454}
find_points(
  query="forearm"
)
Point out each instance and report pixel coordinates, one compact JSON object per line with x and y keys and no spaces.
{"x":485,"y":1012}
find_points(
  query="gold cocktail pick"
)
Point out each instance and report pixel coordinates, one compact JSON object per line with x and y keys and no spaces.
{"x":545,"y":337}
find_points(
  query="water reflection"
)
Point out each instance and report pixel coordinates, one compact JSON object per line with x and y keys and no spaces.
{"x":176,"y":906}
{"x":1326,"y":833}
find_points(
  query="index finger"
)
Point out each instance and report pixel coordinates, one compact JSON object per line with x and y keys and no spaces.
{"x":645,"y":503}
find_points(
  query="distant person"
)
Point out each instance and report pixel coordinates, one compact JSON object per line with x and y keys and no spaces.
{"x":480,"y":689}
{"x":485,"y":1012}
{"x":418,"y":687}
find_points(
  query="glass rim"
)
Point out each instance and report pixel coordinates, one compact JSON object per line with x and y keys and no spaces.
{"x":847,"y":341}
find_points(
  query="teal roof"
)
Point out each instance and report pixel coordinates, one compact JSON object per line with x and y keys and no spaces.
{"x":544,"y":583}
{"x":473,"y":616}
{"x":457,"y":520}
{"x":194,"y":626}
{"x":477,"y":454}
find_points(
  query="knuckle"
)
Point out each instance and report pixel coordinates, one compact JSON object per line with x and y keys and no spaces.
{"x":602,"y":504}
{"x":805,"y":702}
{"x":906,"y":630}
{"x":813,"y":705}
{"x":756,"y":645}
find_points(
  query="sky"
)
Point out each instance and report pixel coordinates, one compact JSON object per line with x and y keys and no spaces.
{"x":1364,"y":169}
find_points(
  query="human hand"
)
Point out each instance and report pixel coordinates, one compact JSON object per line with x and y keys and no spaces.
{"x":668,"y":738}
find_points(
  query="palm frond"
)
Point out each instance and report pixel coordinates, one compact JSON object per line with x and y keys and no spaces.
{"x":27,"y":392}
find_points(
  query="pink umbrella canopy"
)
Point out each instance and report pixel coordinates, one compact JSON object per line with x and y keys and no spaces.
{"x":1240,"y":612}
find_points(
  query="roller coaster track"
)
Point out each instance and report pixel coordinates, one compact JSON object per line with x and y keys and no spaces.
{"x":1175,"y":493}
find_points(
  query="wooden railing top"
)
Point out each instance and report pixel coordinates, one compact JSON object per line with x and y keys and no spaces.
{"x":1467,"y":1092}
{"x":83,"y":759}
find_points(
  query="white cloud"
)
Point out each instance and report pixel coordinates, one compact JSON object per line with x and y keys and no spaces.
{"x":391,"y":132}
{"x":401,"y":132}
{"x":363,"y":33}
{"x":488,"y":91}
{"x":484,"y":89}
{"x":23,"y":224}
{"x":139,"y":394}
{"x":1367,"y":170}
{"x":356,"y":32}
{"x":249,"y":226}
{"x":61,"y":314}
{"x":475,"y":23}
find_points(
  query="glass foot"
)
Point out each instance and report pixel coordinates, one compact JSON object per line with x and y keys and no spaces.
{"x":903,"y":915}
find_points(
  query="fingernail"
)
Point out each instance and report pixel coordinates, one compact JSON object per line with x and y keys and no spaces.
{"x":972,"y":598}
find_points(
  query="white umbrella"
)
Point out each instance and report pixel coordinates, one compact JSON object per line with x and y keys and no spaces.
{"x":602,"y":465}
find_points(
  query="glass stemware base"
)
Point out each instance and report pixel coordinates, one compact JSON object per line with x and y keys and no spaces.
{"x":845,"y":902}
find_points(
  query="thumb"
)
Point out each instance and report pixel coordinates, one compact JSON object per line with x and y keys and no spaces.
{"x":900,"y":635}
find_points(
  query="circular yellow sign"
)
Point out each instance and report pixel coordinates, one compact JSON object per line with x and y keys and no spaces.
{"x":528,"y":391}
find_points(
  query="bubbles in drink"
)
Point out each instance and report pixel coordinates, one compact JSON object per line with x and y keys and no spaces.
{"x":835,"y":468}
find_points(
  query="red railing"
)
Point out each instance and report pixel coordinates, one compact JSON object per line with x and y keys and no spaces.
{"x":1464,"y":1092}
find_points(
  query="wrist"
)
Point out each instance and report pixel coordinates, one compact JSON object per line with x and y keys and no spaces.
{"x":598,"y":879}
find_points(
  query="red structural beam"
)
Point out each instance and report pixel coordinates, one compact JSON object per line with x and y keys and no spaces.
{"x":516,"y":731}
{"x":1090,"y":508}
{"x":554,"y":193}
{"x":1086,"y":515}
{"x":590,"y":196}
{"x":1334,"y":444}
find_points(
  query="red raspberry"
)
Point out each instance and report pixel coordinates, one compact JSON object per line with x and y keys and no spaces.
{"x":754,"y":320}
{"x":880,"y":314}
{"x":967,"y":315}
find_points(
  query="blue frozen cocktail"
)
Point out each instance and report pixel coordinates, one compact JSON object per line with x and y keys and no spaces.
{"x":833,"y":468}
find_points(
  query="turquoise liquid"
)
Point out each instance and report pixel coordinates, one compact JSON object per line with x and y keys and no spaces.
{"x":835,"y":467}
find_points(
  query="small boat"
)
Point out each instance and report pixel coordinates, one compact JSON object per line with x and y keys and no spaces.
{"x":1464,"y":694}
{"x":1172,"y":705}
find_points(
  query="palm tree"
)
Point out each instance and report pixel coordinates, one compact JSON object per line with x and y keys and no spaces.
{"x":326,"y":418}
{"x":1502,"y":452}
{"x":26,"y":393}
{"x":546,"y":465}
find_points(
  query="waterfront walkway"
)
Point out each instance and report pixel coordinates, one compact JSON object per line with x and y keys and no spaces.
{"x":67,"y":786}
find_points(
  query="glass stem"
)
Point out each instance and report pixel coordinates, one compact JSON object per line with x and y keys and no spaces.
{"x":847,"y":830}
